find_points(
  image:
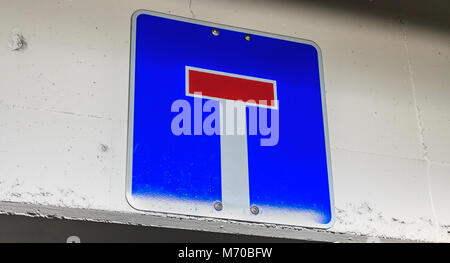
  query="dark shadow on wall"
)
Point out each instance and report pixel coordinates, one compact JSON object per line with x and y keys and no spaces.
{"x":433,"y":14}
{"x":18,"y":229}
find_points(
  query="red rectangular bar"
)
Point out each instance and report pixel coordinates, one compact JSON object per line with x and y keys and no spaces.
{"x":231,"y":87}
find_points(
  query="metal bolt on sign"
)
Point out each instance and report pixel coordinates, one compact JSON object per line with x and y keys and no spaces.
{"x":254,"y":209}
{"x":215,"y":32}
{"x":218,"y":206}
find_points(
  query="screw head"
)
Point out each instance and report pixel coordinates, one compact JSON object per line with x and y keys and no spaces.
{"x":73,"y":239}
{"x":247,"y":37}
{"x":254,"y":209}
{"x":218,"y":206}
{"x":215,"y":32}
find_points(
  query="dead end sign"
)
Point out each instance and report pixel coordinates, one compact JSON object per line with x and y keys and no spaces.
{"x":227,"y":123}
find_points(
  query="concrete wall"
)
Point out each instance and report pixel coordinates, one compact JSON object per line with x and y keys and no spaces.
{"x":63,"y":110}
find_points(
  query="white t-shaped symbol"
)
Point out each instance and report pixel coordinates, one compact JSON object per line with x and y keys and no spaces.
{"x":234,"y":92}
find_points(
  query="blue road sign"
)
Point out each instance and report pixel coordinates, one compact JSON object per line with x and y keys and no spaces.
{"x":227,"y":122}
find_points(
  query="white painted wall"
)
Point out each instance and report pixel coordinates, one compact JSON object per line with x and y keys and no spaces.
{"x":388,"y":95}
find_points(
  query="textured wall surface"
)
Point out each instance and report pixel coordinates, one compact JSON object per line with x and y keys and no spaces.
{"x":63,"y":109}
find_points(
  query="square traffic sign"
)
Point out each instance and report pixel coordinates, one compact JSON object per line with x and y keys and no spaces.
{"x":227,"y":122}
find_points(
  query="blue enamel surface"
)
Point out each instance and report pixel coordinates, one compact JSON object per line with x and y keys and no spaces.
{"x":292,"y":174}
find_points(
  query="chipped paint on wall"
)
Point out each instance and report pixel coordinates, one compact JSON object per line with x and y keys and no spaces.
{"x":364,"y":219}
{"x":17,"y":41}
